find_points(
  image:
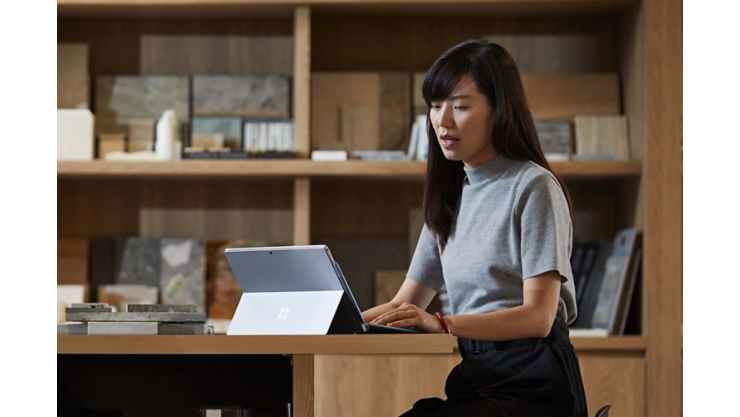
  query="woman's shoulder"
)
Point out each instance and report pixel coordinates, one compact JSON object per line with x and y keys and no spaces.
{"x":530,"y":175}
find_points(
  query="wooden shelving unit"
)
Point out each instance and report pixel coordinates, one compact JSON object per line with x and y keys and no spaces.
{"x":102,"y":198}
{"x":306,"y":168}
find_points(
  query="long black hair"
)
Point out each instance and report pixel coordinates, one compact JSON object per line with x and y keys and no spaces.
{"x":514,"y":135}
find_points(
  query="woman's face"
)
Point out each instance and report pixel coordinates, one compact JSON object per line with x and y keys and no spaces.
{"x":464,"y":125}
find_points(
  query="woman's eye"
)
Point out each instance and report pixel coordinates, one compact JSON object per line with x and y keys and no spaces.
{"x":435,"y":107}
{"x":461,"y":108}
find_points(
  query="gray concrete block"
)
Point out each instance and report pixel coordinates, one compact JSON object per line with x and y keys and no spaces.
{"x":90,"y":305}
{"x":88,"y":310}
{"x":182,"y":328}
{"x":72,"y":328}
{"x":146,"y":317}
{"x":161,"y":308}
{"x":121,"y":327}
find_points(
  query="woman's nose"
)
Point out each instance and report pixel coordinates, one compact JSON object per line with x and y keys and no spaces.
{"x":446,"y":118}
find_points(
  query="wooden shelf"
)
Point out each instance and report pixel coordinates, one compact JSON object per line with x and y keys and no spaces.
{"x":254,"y":345}
{"x":284,"y":8}
{"x":612,"y":343}
{"x":306,"y":168}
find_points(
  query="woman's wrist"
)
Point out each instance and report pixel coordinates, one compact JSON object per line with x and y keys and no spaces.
{"x":449,"y":320}
{"x":443,"y":322}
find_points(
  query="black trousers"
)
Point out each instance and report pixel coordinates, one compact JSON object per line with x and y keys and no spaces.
{"x":531,"y":377}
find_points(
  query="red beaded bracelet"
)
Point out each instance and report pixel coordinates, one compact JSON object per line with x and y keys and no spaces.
{"x":441,"y":319}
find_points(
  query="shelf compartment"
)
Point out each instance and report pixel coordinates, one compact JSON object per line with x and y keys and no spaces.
{"x":307,"y":168}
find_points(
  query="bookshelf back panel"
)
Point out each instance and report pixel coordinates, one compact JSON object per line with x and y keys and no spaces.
{"x":553,"y":45}
{"x":114,"y":208}
{"x":363,"y":208}
{"x":116,"y":44}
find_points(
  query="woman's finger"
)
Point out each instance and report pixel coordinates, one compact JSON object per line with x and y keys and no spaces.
{"x":395,"y":310}
{"x":404,"y":322}
{"x":398,"y":315}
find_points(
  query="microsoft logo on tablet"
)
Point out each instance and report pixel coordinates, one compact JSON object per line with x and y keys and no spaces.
{"x":283,"y":313}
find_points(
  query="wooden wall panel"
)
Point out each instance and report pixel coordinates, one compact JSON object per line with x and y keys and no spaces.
{"x":663,"y":173}
{"x":617,"y":379}
{"x":362,"y":208}
{"x":352,"y":384}
{"x":115,"y":44}
{"x":414,"y":43}
{"x":303,"y":386}
{"x":378,"y":385}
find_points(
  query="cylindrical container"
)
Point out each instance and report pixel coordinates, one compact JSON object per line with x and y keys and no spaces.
{"x":166,"y":142}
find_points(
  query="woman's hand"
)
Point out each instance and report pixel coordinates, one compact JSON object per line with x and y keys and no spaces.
{"x":409,"y":315}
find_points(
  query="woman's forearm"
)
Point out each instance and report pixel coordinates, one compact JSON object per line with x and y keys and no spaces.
{"x":513,"y":323}
{"x":371,"y":314}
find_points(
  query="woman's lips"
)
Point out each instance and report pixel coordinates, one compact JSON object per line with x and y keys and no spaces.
{"x":448,"y":142}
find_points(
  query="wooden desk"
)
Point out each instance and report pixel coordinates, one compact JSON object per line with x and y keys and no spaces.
{"x":91,"y":367}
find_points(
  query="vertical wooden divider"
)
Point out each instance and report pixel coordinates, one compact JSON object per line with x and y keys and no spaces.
{"x":302,"y":81}
{"x":303,"y":389}
{"x":302,"y":211}
{"x":663,"y":269}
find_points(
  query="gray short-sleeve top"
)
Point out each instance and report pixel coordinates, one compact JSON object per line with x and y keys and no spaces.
{"x":512,"y":223}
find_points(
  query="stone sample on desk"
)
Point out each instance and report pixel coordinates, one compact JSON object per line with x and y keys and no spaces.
{"x":230,"y":127}
{"x":141,"y":262}
{"x":136,"y":317}
{"x":88,"y":310}
{"x":214,"y":54}
{"x":71,"y":328}
{"x":556,"y":136}
{"x":161,"y":308}
{"x":241,"y":96}
{"x":73,"y":76}
{"x":75,"y":140}
{"x":122,"y":328}
{"x":181,"y":328}
{"x":121,"y":295}
{"x":90,"y":305}
{"x":122,"y":99}
{"x":182,"y":272}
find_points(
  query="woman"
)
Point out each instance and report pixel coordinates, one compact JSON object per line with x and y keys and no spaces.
{"x":498,"y":235}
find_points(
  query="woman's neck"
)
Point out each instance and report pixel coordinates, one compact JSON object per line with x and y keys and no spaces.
{"x":481,"y":157}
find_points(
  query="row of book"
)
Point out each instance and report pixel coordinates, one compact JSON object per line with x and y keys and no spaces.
{"x":604,"y":274}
